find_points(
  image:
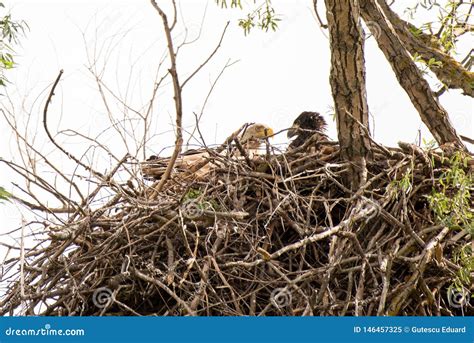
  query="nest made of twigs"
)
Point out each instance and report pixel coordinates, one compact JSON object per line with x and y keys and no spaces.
{"x":279,"y":236}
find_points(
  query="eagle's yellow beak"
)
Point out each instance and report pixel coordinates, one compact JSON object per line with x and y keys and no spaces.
{"x":257,"y":132}
{"x":267,"y":132}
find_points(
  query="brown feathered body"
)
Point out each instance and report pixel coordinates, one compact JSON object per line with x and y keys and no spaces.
{"x":305,"y":126}
{"x":198,"y":163}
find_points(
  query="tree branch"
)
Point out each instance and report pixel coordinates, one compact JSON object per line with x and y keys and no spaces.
{"x":451,"y":73}
{"x":45,"y":125}
{"x":177,"y":99}
{"x":409,"y":76}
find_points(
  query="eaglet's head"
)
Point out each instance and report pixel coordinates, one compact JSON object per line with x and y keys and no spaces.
{"x":307,"y":122}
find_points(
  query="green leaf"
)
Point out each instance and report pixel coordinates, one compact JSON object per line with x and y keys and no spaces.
{"x":4,"y":195}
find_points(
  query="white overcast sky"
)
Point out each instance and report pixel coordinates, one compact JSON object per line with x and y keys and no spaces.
{"x":278,"y":75}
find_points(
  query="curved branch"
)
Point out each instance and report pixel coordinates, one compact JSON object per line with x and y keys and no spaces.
{"x":45,"y":125}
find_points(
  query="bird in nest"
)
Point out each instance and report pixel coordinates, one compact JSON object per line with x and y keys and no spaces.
{"x":307,"y":125}
{"x":201,"y":161}
{"x":254,"y":136}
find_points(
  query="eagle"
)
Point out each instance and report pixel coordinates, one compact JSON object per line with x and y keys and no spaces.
{"x":198,"y":161}
{"x":254,"y":136}
{"x":307,"y":125}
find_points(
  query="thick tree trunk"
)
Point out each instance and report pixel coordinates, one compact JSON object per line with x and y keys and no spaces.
{"x":348,"y":85}
{"x":409,"y":76}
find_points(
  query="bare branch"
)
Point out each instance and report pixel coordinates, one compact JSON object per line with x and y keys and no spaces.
{"x":177,"y":99}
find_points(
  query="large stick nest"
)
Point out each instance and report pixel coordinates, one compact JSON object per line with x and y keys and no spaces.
{"x":278,"y":234}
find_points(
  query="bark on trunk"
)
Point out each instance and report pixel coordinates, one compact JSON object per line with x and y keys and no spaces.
{"x":347,"y":80}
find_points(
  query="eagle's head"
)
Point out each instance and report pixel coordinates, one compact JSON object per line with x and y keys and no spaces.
{"x":307,"y":124}
{"x":255,"y":134}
